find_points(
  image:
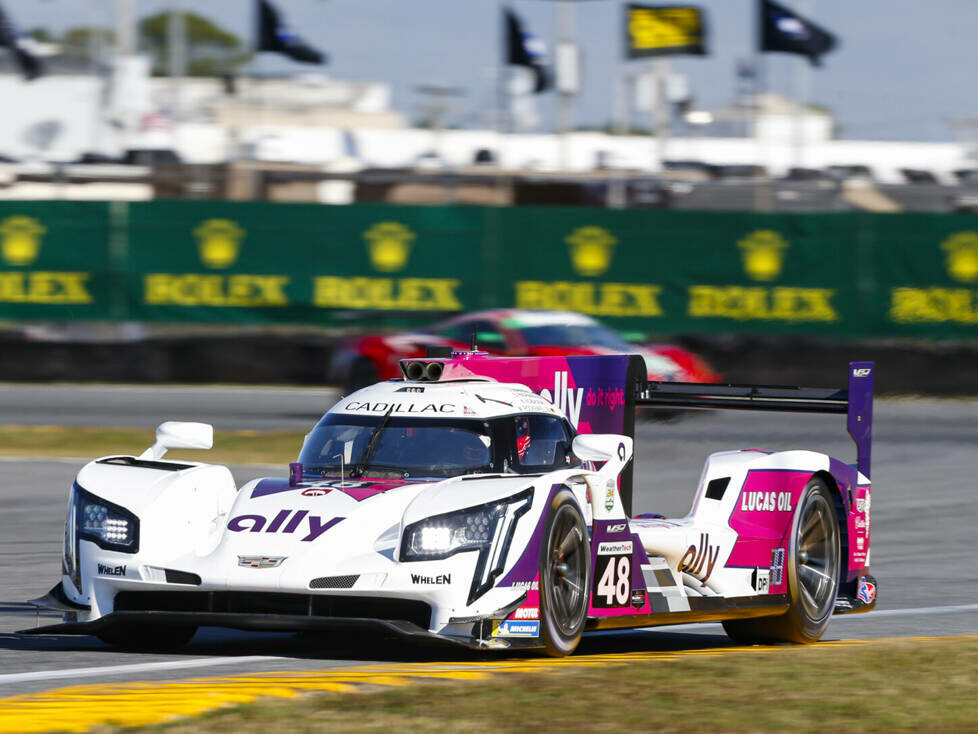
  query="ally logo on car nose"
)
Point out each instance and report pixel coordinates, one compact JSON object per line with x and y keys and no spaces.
{"x":286,"y":521}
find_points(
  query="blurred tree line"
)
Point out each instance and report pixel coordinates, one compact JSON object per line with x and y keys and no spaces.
{"x":211,"y":50}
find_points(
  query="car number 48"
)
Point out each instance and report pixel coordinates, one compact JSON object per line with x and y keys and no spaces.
{"x":614,"y":582}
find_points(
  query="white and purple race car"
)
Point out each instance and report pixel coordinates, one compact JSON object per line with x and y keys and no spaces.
{"x":479,"y":501}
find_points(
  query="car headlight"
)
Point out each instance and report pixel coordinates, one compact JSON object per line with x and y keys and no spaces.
{"x":441,"y":536}
{"x":106,"y":524}
{"x":486,"y":528}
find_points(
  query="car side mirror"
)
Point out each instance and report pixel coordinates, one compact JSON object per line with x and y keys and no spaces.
{"x":600,"y":447}
{"x":615,"y":451}
{"x":180,"y":435}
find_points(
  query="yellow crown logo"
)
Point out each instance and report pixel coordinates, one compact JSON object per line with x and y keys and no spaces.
{"x":763,"y":253}
{"x":389,"y":244}
{"x":590,"y":249}
{"x":962,"y":256}
{"x":219,"y":242}
{"x":21,"y":239}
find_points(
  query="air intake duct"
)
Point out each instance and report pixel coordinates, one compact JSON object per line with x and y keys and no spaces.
{"x":414,"y":371}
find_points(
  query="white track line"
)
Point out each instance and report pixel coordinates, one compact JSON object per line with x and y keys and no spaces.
{"x":701,"y":626}
{"x":135,"y":668}
{"x":954,"y":609}
{"x":209,"y":662}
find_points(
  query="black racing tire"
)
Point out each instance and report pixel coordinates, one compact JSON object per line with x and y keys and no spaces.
{"x":813,"y":566}
{"x":146,"y":637}
{"x":363,"y":373}
{"x":565,"y":573}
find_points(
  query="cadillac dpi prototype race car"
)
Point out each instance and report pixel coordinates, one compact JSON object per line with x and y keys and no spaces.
{"x":479,"y":501}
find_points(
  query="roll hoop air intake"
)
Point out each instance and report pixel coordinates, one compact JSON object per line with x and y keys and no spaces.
{"x":422,"y":371}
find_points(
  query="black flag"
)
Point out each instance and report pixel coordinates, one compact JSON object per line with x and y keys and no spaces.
{"x":274,"y":35}
{"x":783,"y":29}
{"x":29,"y":65}
{"x":525,"y":49}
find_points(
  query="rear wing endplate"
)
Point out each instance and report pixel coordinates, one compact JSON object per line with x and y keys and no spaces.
{"x":856,"y":402}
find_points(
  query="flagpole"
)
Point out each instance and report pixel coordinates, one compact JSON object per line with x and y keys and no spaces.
{"x":660,"y":107}
{"x":123,"y":27}
{"x":256,"y":95}
{"x":177,"y":42}
{"x":566,"y":62}
{"x":803,"y":89}
{"x":762,"y":191}
{"x":501,"y":115}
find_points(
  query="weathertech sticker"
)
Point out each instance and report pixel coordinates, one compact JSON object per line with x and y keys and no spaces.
{"x":615,"y":547}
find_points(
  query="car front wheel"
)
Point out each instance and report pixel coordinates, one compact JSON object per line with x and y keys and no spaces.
{"x":565,"y":566}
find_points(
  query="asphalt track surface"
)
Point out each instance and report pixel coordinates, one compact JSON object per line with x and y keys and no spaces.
{"x":923,"y":551}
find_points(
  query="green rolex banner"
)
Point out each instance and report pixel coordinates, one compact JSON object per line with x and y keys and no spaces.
{"x":54,"y":261}
{"x":261,"y":262}
{"x":837,"y":275}
{"x":664,"y":30}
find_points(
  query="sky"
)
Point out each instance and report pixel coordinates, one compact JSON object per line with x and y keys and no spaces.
{"x":903,"y":70}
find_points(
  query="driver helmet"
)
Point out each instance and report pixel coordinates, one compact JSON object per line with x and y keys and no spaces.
{"x":522,"y":436}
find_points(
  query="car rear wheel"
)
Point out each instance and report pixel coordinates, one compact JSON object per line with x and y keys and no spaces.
{"x":813,"y":575}
{"x":565,"y":566}
{"x":146,"y":637}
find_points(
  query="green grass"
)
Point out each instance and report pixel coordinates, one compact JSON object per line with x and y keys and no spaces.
{"x":230,"y":447}
{"x":923,"y":685}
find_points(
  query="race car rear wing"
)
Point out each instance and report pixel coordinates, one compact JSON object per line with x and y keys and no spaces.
{"x":856,"y":402}
{"x":600,"y":394}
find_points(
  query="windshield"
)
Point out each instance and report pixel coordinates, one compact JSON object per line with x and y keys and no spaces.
{"x":564,"y":335}
{"x":405,"y":447}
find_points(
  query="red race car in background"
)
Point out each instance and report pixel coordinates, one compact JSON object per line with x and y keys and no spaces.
{"x":515,"y":333}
